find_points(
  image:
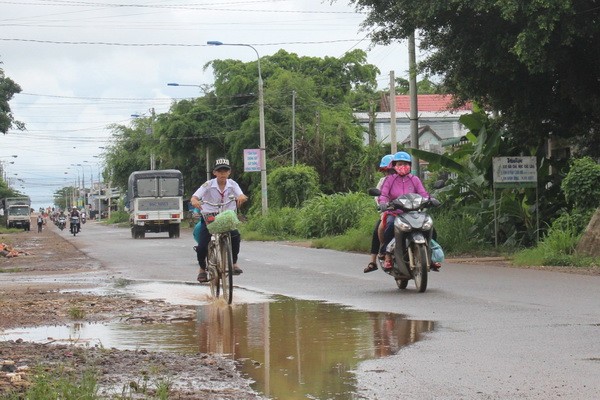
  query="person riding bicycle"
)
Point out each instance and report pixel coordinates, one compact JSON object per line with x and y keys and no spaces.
{"x":217,"y":190}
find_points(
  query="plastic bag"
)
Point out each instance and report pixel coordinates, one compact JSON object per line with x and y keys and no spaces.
{"x":437,"y":253}
{"x":224,"y":222}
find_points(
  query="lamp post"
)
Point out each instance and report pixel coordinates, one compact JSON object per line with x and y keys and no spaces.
{"x":91,"y":182}
{"x":149,"y":131}
{"x":82,"y":184}
{"x":261,"y":116}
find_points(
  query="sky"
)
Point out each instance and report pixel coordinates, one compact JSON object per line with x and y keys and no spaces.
{"x":84,"y":65}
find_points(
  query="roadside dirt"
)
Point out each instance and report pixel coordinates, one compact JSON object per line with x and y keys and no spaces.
{"x":37,"y":289}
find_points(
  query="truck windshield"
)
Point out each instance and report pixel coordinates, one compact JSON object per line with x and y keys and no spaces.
{"x":19,"y":211}
{"x":160,"y":187}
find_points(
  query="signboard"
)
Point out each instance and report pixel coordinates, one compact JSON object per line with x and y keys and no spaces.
{"x":252,"y":160}
{"x":515,"y":171}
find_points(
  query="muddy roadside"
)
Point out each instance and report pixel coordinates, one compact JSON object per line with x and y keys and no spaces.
{"x":45,"y":285}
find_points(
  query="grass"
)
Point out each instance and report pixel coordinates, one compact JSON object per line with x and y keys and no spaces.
{"x":62,"y":382}
{"x":76,"y":313}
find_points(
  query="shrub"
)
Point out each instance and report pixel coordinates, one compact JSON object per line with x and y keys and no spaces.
{"x":292,"y":186}
{"x":580,"y":186}
{"x":333,"y":214}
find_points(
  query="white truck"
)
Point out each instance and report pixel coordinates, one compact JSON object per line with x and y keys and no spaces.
{"x":155,"y":202}
{"x":17,"y":211}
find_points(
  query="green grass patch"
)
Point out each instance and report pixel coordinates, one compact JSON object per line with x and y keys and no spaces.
{"x":76,"y":313}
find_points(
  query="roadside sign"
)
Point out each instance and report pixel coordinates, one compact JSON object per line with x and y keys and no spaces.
{"x":515,"y":171}
{"x":251,"y":160}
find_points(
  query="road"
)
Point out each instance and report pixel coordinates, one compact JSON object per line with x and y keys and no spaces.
{"x":500,"y":333}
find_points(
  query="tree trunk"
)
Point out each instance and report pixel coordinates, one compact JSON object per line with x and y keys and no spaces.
{"x":589,"y":244}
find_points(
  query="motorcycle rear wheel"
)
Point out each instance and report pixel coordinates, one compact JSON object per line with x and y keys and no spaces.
{"x":420,"y":267}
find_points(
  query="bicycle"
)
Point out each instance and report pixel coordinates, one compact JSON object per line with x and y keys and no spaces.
{"x":219,"y":259}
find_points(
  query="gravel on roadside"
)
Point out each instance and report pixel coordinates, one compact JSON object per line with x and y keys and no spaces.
{"x":36,"y":289}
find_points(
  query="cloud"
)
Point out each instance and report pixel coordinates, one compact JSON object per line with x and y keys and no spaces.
{"x":85,"y":65}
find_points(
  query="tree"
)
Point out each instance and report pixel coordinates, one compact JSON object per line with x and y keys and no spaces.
{"x":8,"y":88}
{"x":536,"y":63}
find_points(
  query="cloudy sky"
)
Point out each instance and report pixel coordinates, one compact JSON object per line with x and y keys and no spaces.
{"x":83,"y":65}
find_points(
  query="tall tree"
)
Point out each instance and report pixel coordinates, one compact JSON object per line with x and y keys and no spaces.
{"x":535,"y":62}
{"x":8,"y":88}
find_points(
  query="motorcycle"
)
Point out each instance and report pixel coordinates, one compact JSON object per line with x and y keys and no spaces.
{"x":83,"y":218}
{"x":411,"y":246}
{"x":62,"y":222}
{"x":75,"y":225}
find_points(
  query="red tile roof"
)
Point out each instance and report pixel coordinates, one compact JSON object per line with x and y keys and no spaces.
{"x":426,"y":102}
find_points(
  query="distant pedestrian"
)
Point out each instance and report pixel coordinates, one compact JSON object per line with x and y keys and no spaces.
{"x":40,"y":222}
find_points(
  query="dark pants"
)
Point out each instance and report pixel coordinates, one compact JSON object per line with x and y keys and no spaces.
{"x":375,"y":239}
{"x":204,"y":239}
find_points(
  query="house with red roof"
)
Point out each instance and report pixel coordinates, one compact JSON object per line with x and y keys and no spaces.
{"x":438,"y":121}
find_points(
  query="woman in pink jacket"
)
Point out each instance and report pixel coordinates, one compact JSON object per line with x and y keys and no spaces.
{"x":397,"y":185}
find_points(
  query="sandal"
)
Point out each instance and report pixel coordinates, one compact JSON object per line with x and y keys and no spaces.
{"x":202,"y":277}
{"x":370,"y":267}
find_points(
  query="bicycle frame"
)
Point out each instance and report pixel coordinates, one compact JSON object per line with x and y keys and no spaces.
{"x":219,"y":258}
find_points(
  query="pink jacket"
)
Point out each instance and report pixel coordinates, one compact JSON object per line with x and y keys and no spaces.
{"x":396,"y":185}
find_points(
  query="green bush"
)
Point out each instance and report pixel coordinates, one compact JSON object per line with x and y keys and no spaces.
{"x":277,"y":224}
{"x":580,"y":186}
{"x":332,"y":215}
{"x":292,"y":186}
{"x":118,"y":217}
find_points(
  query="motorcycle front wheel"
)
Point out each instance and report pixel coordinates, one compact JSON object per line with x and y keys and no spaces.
{"x":420,"y":267}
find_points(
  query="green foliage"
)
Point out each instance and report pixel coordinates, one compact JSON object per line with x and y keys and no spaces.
{"x":484,"y":50}
{"x":62,"y":384}
{"x":277,"y":224}
{"x":332,"y":215}
{"x":118,"y":217}
{"x":292,"y":186}
{"x":558,"y":247}
{"x":8,"y":88}
{"x":581,"y":185}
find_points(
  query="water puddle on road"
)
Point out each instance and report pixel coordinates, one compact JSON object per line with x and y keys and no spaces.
{"x":292,"y":349}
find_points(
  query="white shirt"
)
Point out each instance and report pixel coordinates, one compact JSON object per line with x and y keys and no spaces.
{"x":210,"y":192}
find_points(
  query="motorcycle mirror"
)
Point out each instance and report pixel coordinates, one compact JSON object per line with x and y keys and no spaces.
{"x":374,"y":192}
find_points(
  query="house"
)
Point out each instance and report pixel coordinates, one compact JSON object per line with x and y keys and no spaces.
{"x":437,"y":120}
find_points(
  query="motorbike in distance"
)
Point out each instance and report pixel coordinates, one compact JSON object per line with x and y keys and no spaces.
{"x":62,"y":222}
{"x":411,"y":246}
{"x":75,"y":227}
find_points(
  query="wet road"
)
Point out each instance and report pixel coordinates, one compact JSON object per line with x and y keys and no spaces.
{"x":500,"y":332}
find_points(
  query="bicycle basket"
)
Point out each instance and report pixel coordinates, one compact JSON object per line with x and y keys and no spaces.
{"x":224,"y":222}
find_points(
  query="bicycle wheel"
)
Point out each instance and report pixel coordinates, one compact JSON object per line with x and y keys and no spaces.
{"x":227,"y":268}
{"x":212,"y":263}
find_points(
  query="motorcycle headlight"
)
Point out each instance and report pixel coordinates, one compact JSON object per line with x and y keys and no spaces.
{"x":403,"y":226}
{"x":428,"y":224}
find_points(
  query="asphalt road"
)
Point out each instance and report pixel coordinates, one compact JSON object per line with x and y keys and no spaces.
{"x":500,"y":333}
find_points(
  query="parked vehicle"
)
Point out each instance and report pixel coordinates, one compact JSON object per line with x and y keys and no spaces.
{"x":75,"y":226}
{"x":17,"y":211}
{"x":155,"y":202}
{"x":411,"y":246}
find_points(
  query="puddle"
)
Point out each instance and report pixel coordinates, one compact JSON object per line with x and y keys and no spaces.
{"x":292,"y":349}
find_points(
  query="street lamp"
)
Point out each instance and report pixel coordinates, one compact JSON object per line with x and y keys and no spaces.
{"x":261,"y":116}
{"x":149,"y":131}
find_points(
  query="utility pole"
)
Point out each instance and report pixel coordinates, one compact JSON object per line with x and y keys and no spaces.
{"x":293,"y":128}
{"x":393,"y":140}
{"x":414,"y":112}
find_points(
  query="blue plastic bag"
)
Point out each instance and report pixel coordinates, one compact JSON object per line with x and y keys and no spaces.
{"x":196,"y":232}
{"x":437,"y":253}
